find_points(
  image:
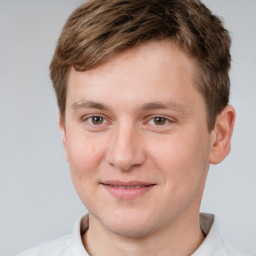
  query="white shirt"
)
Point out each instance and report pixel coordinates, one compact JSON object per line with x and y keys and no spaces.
{"x":72,"y":245}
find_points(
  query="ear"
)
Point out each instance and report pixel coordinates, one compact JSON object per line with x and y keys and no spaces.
{"x":63,"y":132}
{"x":222,"y":133}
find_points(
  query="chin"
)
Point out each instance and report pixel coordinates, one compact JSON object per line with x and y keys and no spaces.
{"x":127,"y":224}
{"x":132,"y":230}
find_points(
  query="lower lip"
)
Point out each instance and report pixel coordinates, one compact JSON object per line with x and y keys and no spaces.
{"x":127,"y":193}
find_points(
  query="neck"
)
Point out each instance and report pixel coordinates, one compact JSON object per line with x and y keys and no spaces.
{"x":177,"y":239}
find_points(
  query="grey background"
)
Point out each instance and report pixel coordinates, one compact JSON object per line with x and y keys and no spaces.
{"x":37,"y":199}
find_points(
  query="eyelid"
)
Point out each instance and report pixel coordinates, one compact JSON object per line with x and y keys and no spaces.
{"x":87,"y":117}
{"x":167,"y":118}
{"x":106,"y":122}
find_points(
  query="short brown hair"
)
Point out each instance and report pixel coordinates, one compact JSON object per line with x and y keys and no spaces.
{"x":100,"y":28}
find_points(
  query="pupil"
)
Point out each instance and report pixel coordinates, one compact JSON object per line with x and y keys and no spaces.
{"x":159,"y":120}
{"x":97,"y":120}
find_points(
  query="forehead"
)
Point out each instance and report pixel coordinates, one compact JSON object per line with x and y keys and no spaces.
{"x":157,"y":71}
{"x":163,"y":56}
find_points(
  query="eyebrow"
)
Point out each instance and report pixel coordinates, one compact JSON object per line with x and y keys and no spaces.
{"x":169,"y":105}
{"x":145,"y":107}
{"x":88,"y":104}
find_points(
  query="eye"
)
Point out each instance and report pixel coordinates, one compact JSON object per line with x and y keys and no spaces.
{"x":158,"y":120}
{"x":96,"y":120}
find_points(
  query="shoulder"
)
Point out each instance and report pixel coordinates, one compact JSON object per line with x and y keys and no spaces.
{"x":65,"y":246}
{"x":54,"y":247}
{"x":232,"y":251}
{"x":213,"y":244}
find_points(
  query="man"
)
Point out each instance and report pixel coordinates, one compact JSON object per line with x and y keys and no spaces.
{"x":143,"y":92}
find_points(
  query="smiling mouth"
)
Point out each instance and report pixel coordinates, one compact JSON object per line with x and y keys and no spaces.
{"x":127,"y":190}
{"x":127,"y":187}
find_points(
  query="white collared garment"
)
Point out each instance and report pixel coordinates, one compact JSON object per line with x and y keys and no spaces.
{"x":72,"y":245}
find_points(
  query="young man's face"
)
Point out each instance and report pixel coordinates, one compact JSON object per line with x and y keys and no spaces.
{"x":137,"y":141}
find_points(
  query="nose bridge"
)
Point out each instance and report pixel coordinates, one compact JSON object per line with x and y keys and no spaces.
{"x":126,"y":147}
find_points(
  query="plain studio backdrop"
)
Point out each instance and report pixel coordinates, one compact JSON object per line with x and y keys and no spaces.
{"x":37,"y":199}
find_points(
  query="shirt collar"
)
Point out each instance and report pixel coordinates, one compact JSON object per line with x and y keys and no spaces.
{"x":211,"y":245}
{"x":76,"y":247}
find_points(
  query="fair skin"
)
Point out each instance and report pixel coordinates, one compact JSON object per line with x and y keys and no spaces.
{"x":139,"y":150}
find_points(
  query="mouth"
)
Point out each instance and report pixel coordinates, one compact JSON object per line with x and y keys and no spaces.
{"x":127,"y":190}
{"x":127,"y":187}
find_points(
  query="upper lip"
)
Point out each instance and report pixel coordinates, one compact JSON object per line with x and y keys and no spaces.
{"x":126,"y":183}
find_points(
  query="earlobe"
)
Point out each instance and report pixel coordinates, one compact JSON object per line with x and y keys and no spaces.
{"x":63,"y":132}
{"x":222,"y":132}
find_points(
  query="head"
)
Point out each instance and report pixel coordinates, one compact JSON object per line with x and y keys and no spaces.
{"x":143,"y":88}
{"x":99,"y":29}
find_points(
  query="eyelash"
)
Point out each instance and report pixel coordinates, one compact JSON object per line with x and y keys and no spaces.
{"x":166,"y":120}
{"x":87,"y":118}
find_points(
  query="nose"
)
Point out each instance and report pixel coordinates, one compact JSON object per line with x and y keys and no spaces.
{"x":126,"y":149}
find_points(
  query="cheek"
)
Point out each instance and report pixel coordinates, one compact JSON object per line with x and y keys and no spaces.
{"x":183,"y":160}
{"x":84,"y":153}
